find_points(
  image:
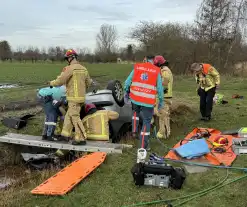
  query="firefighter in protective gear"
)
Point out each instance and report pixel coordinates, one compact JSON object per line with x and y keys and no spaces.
{"x":51,"y":99}
{"x":77,"y":79}
{"x":96,"y":122}
{"x":208,"y":80}
{"x":63,"y":107}
{"x":164,"y":114}
{"x":142,"y":85}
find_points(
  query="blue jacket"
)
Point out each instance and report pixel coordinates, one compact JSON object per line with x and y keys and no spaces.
{"x":160,"y":90}
{"x":56,"y":92}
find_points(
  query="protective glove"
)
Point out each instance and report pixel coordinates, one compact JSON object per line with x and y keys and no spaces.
{"x":49,"y":83}
{"x":56,"y":103}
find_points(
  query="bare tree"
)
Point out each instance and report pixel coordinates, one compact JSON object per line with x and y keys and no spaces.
{"x":213,"y":23}
{"x":106,"y":39}
{"x":130,"y":52}
{"x":52,"y":53}
{"x":59,"y":53}
{"x":43,"y":54}
{"x":238,"y":20}
{"x":146,"y":31}
{"x":19,"y":54}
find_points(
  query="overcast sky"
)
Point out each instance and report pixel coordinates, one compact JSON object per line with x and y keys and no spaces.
{"x":76,"y":23}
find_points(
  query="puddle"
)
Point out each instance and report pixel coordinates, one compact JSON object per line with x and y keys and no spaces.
{"x":8,"y":85}
{"x":5,"y":182}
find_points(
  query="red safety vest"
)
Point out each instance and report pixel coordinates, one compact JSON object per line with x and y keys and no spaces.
{"x":143,"y":87}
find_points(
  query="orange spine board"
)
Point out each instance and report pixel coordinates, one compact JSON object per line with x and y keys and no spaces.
{"x":67,"y":178}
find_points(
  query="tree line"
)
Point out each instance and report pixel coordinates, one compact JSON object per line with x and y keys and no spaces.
{"x":217,"y":36}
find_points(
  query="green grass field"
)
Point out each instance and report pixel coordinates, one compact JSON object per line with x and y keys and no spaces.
{"x":111,"y":184}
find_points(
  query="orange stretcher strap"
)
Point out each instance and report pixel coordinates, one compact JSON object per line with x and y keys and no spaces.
{"x":67,"y":178}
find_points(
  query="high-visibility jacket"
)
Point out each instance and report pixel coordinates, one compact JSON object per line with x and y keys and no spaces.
{"x":167,"y":79}
{"x":76,"y":79}
{"x":143,"y":88}
{"x":97,"y":124}
{"x":209,"y":77}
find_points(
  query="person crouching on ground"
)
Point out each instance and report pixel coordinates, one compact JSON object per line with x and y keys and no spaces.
{"x":142,"y":85}
{"x":77,"y":79}
{"x":96,"y":122}
{"x":51,"y":100}
{"x":167,"y":81}
{"x":208,"y":80}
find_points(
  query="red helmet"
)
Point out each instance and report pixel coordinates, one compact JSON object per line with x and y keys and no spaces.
{"x":70,"y":53}
{"x":159,"y":60}
{"x":88,"y":107}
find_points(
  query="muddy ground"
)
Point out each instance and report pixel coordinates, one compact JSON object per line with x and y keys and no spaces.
{"x":17,"y":105}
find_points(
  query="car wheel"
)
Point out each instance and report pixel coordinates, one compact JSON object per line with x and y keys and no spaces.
{"x":117,"y":91}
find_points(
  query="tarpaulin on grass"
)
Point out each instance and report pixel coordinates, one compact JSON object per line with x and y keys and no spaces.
{"x":213,"y":157}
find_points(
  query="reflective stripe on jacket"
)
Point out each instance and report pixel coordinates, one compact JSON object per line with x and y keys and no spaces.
{"x":209,"y":77}
{"x":76,"y":79}
{"x":143,"y":87}
{"x":97,"y":124}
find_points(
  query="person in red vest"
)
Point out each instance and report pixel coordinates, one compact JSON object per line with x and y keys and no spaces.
{"x":208,"y":80}
{"x":142,"y":86}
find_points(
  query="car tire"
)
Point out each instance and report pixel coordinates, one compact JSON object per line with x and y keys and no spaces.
{"x":117,"y":91}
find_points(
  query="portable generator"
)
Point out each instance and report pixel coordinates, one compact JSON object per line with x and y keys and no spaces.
{"x":156,"y":173}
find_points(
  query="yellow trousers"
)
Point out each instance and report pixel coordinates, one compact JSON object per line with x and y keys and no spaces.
{"x":72,"y":119}
{"x":59,"y":126}
{"x":164,"y":119}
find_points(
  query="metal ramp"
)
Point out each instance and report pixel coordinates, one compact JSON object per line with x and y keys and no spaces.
{"x":36,"y":141}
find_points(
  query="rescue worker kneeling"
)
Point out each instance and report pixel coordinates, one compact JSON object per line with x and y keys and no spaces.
{"x":96,"y":122}
{"x":164,"y":113}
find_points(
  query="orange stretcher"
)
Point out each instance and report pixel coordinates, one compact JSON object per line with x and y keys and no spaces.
{"x":213,"y":158}
{"x":67,"y":178}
